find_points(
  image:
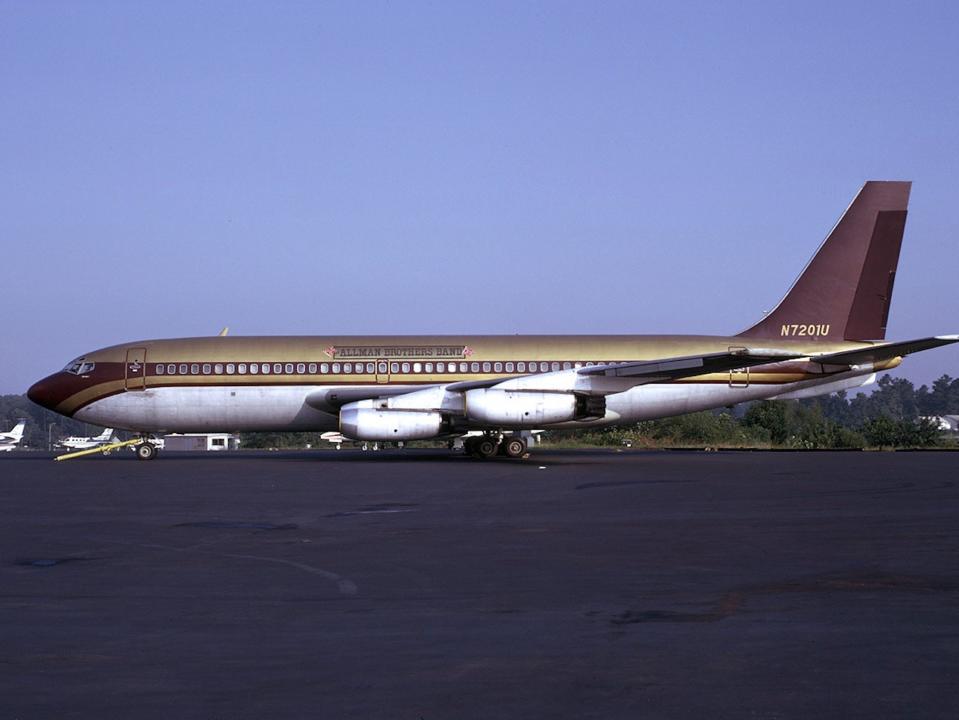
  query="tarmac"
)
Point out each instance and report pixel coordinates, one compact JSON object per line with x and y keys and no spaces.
{"x":416,"y":584}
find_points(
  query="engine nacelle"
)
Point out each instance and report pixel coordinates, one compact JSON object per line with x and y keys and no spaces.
{"x":507,"y":408}
{"x":363,"y":423}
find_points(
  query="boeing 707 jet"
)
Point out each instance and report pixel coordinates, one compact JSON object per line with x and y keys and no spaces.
{"x":827,"y":334}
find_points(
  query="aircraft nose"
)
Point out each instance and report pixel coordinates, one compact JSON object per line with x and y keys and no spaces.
{"x":48,"y":392}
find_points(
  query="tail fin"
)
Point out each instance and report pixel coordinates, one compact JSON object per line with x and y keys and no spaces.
{"x":845,"y":290}
{"x":105,"y":435}
{"x":17,"y":432}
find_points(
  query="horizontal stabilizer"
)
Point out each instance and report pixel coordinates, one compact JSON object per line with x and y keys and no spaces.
{"x":888,"y":351}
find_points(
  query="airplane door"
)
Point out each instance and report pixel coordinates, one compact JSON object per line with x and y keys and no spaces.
{"x":738,"y":378}
{"x":136,"y":368}
{"x":382,"y":371}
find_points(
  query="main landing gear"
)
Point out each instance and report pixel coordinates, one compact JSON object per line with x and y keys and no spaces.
{"x":489,"y":445}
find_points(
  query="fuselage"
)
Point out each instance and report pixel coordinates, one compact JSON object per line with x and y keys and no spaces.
{"x":299,"y":383}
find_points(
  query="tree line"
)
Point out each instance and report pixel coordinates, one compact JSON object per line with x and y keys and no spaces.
{"x":890,"y":416}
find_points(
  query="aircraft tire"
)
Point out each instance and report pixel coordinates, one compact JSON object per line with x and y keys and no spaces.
{"x":514,"y":447}
{"x":146,"y":451}
{"x":485,"y":448}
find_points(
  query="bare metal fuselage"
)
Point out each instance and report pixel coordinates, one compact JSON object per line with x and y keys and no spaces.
{"x":299,"y":383}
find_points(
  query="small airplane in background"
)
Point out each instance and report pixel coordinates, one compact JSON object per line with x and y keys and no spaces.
{"x":85,"y":443}
{"x":9,"y":440}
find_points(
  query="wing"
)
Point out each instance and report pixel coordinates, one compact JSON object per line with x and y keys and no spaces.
{"x":884,"y":351}
{"x":619,"y":377}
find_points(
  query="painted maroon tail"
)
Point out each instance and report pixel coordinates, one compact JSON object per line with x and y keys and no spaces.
{"x":845,"y":290}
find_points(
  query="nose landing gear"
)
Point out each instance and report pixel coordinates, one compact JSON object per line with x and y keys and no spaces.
{"x":146,"y":450}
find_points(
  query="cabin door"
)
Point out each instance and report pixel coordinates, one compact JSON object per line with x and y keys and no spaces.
{"x":382,"y":371}
{"x":136,"y":369}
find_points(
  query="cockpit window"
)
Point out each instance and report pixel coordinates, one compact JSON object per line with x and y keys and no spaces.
{"x":80,"y":366}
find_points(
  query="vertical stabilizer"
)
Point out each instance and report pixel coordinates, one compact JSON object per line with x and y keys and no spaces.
{"x":845,"y":291}
{"x":17,"y":433}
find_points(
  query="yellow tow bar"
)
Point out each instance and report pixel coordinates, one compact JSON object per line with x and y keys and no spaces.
{"x":100,"y":449}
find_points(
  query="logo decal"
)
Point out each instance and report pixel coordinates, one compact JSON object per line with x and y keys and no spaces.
{"x":441,"y":352}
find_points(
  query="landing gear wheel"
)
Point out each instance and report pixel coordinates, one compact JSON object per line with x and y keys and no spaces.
{"x":146,"y":451}
{"x":514,"y":447}
{"x":485,"y":448}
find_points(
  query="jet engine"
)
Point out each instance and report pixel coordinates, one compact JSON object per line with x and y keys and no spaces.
{"x":506,"y":408}
{"x":365,"y":423}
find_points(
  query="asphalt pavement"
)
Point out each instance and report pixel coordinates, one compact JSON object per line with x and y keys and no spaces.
{"x":416,"y":584}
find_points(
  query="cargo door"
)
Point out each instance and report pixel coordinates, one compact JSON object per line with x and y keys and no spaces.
{"x":136,"y":369}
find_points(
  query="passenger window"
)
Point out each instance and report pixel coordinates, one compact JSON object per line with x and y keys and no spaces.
{"x":474,"y":367}
{"x":487,"y":367}
{"x":567,"y":365}
{"x":183,"y":369}
{"x":463,"y":367}
{"x":277,"y":368}
{"x":159,"y":369}
{"x":289,"y":368}
{"x":429,"y":367}
{"x":301,"y":368}
{"x":382,"y":368}
{"x":348,"y":368}
{"x":265,"y":369}
{"x":406,"y":367}
{"x":498,"y":367}
{"x":324,"y":368}
{"x":336,"y":368}
{"x":241,"y":368}
{"x":194,"y":369}
{"x":521,"y":366}
{"x":417,"y":367}
{"x":207,"y":368}
{"x":394,"y":367}
{"x":370,"y":368}
{"x":578,"y":365}
{"x":254,"y":368}
{"x":230,"y":368}
{"x":555,"y":366}
{"x":440,"y":367}
{"x":218,"y":368}
{"x":171,"y":369}
{"x":509,"y":367}
{"x":312,"y":368}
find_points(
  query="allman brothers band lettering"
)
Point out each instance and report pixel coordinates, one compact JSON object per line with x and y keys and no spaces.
{"x":441,"y":352}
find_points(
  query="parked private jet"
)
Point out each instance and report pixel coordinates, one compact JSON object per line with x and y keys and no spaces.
{"x":85,"y":443}
{"x":827,"y":334}
{"x":9,"y":440}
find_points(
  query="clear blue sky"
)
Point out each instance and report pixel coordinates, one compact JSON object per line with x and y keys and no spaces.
{"x":172,"y":167}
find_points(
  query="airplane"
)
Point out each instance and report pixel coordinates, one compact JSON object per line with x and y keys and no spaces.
{"x":85,"y":443}
{"x":826,"y":334}
{"x":9,"y":440}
